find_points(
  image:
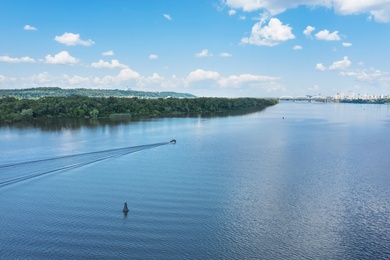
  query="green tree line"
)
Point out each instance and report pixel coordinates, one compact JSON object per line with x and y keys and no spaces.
{"x":13,"y":109}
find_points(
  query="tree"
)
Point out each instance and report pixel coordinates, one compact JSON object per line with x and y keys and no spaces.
{"x":94,"y":113}
{"x":27,"y":113}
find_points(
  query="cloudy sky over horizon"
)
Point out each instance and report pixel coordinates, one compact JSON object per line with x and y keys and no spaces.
{"x":231,"y":48}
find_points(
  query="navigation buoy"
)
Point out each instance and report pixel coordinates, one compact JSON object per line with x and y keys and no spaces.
{"x":125,"y":208}
{"x":173,"y":141}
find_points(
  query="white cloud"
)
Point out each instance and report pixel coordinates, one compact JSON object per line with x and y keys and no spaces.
{"x":208,"y":83}
{"x":378,"y":9}
{"x":247,"y":5}
{"x":6,"y":79}
{"x":366,"y":75}
{"x":347,"y":44}
{"x":320,"y":66}
{"x":77,"y":80}
{"x":41,"y":78}
{"x":124,"y":75}
{"x":167,"y":16}
{"x":272,"y":6}
{"x":199,"y":75}
{"x":62,"y":57}
{"x":270,"y":35}
{"x":108,"y":53}
{"x":225,"y":54}
{"x":235,"y":81}
{"x":29,"y":28}
{"x":297,"y":47}
{"x":127,"y":74}
{"x":107,"y":65}
{"x":326,"y":36}
{"x":71,"y":39}
{"x":16,"y":60}
{"x":309,"y":29}
{"x":340,"y":65}
{"x":241,"y":83}
{"x":153,"y":57}
{"x":232,"y":12}
{"x":203,"y":53}
{"x":154,"y":80}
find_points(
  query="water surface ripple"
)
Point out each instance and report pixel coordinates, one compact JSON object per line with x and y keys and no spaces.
{"x":295,"y":181}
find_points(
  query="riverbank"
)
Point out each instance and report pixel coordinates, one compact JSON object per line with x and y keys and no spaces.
{"x":16,"y":110}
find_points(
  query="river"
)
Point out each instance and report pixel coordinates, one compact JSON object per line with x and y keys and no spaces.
{"x":294,"y":181}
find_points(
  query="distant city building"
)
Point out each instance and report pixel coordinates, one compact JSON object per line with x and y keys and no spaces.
{"x":353,"y":96}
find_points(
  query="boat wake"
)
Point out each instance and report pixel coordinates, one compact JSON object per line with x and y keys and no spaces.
{"x":16,"y":172}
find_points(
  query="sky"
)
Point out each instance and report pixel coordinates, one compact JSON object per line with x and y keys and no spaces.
{"x":218,"y":48}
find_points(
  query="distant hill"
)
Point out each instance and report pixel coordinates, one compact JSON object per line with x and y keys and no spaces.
{"x":31,"y":93}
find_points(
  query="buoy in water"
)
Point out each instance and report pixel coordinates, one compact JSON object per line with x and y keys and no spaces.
{"x":125,"y":208}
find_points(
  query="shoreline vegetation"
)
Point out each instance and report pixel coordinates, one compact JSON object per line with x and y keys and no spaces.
{"x":17,"y":109}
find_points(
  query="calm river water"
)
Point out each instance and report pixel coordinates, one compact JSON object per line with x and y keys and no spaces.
{"x":295,"y":181}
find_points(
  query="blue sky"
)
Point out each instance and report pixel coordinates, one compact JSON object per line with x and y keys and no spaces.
{"x":227,"y":48}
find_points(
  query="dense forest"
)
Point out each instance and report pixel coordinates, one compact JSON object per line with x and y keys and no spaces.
{"x":59,"y":92}
{"x":13,"y":109}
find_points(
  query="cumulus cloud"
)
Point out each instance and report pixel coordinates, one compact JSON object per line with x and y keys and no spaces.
{"x":340,"y":65}
{"x":269,"y":35}
{"x":77,"y":80}
{"x":347,"y":44}
{"x":29,"y":28}
{"x":326,"y":36}
{"x":153,"y":57}
{"x":127,"y":74}
{"x":167,"y":16}
{"x":210,"y":82}
{"x":242,"y":83}
{"x":203,"y":53}
{"x":154,"y":80}
{"x":62,"y":57}
{"x":71,"y":39}
{"x":124,"y":75}
{"x":107,"y":65}
{"x":16,"y":60}
{"x":42,"y":78}
{"x":199,"y":75}
{"x":108,"y":53}
{"x":297,"y":47}
{"x":378,"y":9}
{"x":320,"y":67}
{"x":309,"y":29}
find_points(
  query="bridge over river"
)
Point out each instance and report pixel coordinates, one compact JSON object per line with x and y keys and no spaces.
{"x":306,"y":98}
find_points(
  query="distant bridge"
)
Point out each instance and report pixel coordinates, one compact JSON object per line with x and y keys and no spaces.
{"x":305,"y":98}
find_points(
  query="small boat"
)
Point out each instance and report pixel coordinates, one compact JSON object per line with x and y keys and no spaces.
{"x":173,"y":141}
